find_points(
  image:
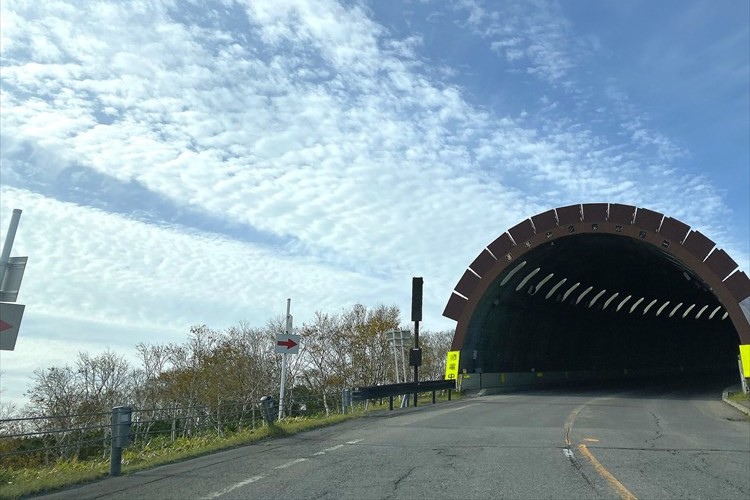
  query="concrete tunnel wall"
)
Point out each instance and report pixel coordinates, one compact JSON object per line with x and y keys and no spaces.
{"x":600,"y":286}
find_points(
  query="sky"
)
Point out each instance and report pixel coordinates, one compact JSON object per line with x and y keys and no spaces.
{"x":197,"y":162}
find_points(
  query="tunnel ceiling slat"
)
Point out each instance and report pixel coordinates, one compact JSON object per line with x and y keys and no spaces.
{"x":544,"y":281}
{"x":596,"y":297}
{"x":554,"y":288}
{"x":636,"y":304}
{"x":700,"y":313}
{"x":649,"y":306}
{"x":609,"y":300}
{"x":663,"y":306}
{"x":676,"y":308}
{"x":583,"y":294}
{"x":687,"y":311}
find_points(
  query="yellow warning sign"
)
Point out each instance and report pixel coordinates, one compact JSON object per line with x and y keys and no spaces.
{"x":451,"y":365}
{"x":745,"y":357}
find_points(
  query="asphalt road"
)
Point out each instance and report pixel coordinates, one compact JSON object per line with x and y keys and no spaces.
{"x":666,"y":442}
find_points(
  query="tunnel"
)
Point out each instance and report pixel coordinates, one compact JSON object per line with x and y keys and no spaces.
{"x":600,"y":287}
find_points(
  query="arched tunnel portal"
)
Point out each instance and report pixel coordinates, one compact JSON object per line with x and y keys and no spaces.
{"x":600,"y":287}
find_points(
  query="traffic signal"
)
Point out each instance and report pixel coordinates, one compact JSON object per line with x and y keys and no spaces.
{"x":416,"y":298}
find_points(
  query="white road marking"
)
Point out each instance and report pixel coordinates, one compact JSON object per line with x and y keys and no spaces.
{"x":323,"y":452}
{"x":568,"y":453}
{"x":282,"y":466}
{"x":233,"y":487}
{"x":289,"y":464}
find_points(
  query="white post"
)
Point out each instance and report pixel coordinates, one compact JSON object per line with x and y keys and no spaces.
{"x":5,"y":256}
{"x":405,"y":397}
{"x":283,"y":362}
{"x":395,"y":357}
{"x":743,"y":380}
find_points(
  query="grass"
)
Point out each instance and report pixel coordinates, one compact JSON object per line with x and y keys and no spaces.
{"x":15,"y":483}
{"x":738,"y":396}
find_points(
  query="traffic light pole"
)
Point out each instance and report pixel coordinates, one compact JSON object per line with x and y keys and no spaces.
{"x":416,"y":366}
{"x":416,"y":317}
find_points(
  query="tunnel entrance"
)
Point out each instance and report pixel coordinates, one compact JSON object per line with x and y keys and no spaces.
{"x":600,"y":287}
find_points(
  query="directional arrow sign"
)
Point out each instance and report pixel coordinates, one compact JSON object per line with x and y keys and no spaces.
{"x":10,"y":321}
{"x":288,"y":344}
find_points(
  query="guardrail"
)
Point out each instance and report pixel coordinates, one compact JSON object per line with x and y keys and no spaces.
{"x":391,"y":390}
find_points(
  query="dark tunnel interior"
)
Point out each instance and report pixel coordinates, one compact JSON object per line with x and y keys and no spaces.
{"x":623,"y":304}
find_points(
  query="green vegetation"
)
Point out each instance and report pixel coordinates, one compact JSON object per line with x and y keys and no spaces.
{"x":199,"y":396}
{"x":161,"y":450}
{"x":738,"y":396}
{"x":15,"y":483}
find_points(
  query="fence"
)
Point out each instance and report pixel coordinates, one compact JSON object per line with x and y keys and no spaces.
{"x":42,"y":440}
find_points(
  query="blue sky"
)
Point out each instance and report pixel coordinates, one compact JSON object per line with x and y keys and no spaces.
{"x":185,"y":163}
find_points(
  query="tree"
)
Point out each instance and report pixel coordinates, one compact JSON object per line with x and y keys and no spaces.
{"x":435,"y":347}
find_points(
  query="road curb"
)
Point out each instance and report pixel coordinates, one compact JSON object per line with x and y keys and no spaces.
{"x":725,"y":398}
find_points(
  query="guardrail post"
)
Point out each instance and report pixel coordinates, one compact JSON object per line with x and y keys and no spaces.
{"x":266,"y":405}
{"x":346,"y":400}
{"x":121,"y":423}
{"x":433,"y":397}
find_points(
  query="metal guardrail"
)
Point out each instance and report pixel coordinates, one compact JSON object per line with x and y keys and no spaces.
{"x":391,"y":390}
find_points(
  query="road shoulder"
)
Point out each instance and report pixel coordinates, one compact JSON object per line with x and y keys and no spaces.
{"x":743,"y":406}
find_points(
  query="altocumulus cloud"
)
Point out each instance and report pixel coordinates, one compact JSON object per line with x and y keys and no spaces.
{"x":285,"y":148}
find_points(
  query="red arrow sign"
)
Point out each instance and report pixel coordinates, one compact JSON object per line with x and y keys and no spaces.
{"x":289,"y":343}
{"x":4,"y":326}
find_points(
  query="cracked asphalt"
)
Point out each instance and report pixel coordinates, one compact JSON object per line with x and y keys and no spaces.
{"x":671,"y":441}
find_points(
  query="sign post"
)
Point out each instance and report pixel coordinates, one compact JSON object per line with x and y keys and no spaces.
{"x":286,"y":344}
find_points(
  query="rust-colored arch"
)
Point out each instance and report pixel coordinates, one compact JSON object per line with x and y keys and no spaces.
{"x":694,"y":250}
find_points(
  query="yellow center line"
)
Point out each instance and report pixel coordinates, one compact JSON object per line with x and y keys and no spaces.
{"x":624,"y":493}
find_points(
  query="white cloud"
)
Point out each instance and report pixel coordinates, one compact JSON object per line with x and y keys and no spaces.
{"x":307,"y":122}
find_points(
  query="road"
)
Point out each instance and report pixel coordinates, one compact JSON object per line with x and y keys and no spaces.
{"x":665,"y":442}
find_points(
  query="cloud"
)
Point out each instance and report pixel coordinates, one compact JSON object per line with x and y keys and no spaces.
{"x":532,"y":34}
{"x":185,"y":165}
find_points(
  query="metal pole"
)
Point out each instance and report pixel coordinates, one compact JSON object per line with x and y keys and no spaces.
{"x":405,"y":397}
{"x":5,"y":256}
{"x":743,"y":380}
{"x":416,"y":366}
{"x":395,"y":357}
{"x":283,"y":362}
{"x":115,"y":454}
